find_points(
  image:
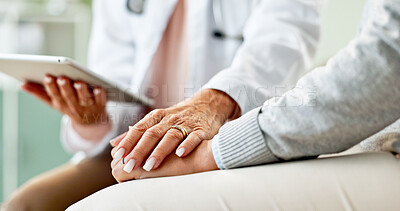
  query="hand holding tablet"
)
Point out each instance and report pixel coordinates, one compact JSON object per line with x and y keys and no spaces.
{"x":83,"y":105}
{"x":71,"y":89}
{"x":34,"y":68}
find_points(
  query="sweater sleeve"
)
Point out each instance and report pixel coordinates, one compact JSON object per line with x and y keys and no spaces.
{"x":280,"y":40}
{"x":241,"y":143}
{"x":332,"y":108}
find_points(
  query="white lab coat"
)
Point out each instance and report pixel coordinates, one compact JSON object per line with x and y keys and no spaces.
{"x":280,"y":40}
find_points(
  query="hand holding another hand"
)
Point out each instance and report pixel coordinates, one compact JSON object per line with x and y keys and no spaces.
{"x":152,"y":139}
{"x":200,"y":160}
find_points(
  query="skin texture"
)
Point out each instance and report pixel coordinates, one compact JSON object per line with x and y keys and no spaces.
{"x":200,"y":160}
{"x":85,"y":107}
{"x":152,"y":137}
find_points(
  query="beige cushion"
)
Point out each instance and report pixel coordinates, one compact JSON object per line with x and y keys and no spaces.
{"x":368,"y":181}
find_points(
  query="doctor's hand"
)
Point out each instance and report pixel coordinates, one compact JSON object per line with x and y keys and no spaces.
{"x":153,"y":138}
{"x":85,"y":107}
{"x":200,"y":160}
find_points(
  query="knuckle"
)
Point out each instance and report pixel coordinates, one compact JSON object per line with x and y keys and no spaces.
{"x":127,"y":143}
{"x":140,"y":127}
{"x":69,"y":95}
{"x":57,"y":105}
{"x":157,"y":113}
{"x":191,"y":142}
{"x":175,"y":134}
{"x":161,"y":152}
{"x":198,"y":134}
{"x":174,"y":118}
{"x":58,"y":99}
{"x":153,"y":133}
{"x":138,"y":154}
{"x":114,"y":172}
{"x":178,"y":118}
{"x":71,"y":107}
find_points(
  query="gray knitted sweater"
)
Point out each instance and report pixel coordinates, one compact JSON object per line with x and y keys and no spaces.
{"x":332,"y":108}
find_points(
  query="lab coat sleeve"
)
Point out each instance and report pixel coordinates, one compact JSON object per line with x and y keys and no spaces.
{"x":331,"y":109}
{"x":111,"y":55}
{"x":74,"y":143}
{"x":280,"y":40}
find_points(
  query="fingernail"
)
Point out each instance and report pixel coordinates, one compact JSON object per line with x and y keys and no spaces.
{"x":112,"y":142}
{"x":118,"y":155}
{"x":47,"y":79}
{"x":149,"y":164}
{"x":96,"y":91}
{"x":77,"y":86}
{"x":129,"y":166}
{"x":61,"y":82}
{"x":180,"y":151}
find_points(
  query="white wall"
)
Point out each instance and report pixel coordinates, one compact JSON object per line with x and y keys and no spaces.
{"x":340,"y":20}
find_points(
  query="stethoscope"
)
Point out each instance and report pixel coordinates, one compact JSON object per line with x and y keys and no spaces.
{"x":137,"y":6}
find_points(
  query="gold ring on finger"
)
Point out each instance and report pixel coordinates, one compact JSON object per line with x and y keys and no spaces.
{"x":182,"y":129}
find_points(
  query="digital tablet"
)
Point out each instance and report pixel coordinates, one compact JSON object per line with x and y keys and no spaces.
{"x":34,"y":68}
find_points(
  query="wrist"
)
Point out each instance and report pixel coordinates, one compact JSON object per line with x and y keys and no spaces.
{"x":211,"y":161}
{"x":93,"y":132}
{"x":221,"y":103}
{"x":205,"y":159}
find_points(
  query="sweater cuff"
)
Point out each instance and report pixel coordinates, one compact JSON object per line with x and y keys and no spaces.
{"x":216,"y":153}
{"x":241,"y":143}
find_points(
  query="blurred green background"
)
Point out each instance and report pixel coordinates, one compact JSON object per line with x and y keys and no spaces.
{"x":1,"y":144}
{"x":49,"y":27}
{"x":47,"y":22}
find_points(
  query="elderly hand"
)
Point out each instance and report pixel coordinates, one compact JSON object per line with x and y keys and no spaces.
{"x":201,"y":116}
{"x":200,"y":160}
{"x":85,"y":107}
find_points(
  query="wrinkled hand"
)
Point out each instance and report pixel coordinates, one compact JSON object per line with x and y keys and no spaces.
{"x":200,"y":160}
{"x":152,"y":137}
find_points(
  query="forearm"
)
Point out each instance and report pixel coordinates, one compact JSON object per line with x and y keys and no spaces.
{"x":221,"y":104}
{"x":356,"y":95}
